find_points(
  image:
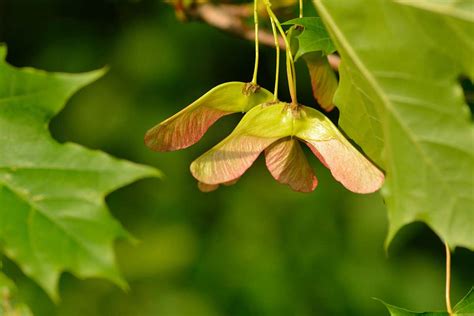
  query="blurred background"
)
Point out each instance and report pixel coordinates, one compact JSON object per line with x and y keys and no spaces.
{"x":255,"y":248}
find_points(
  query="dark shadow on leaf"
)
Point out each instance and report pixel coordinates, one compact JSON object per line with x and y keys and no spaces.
{"x":468,"y":89}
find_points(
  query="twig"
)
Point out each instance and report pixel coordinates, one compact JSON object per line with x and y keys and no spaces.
{"x":230,"y":18}
{"x":227,"y":18}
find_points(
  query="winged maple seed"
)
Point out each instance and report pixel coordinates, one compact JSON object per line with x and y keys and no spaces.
{"x":186,"y":127}
{"x":278,"y":130}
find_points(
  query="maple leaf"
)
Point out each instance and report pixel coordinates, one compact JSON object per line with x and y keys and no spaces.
{"x":53,"y":217}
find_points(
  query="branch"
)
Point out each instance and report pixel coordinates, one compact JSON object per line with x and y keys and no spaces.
{"x":230,"y":18}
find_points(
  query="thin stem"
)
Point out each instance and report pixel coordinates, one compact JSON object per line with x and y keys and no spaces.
{"x":448,"y":279}
{"x":255,"y":19}
{"x":293,"y":70}
{"x":277,"y":67}
{"x":291,"y":79}
{"x":301,"y":8}
{"x":289,"y":57}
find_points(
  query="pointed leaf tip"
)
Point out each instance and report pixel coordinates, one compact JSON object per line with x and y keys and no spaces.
{"x":464,"y":307}
{"x":393,"y":112}
{"x":288,"y":165}
{"x":189,"y":125}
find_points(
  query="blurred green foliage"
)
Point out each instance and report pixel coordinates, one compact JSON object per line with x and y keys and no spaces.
{"x":255,"y":248}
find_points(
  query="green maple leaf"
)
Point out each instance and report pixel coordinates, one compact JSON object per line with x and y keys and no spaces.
{"x":53,"y":217}
{"x":400,"y":100}
{"x":313,"y":37}
{"x":465,"y":307}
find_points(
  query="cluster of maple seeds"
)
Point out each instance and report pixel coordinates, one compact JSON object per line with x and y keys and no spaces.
{"x":270,"y":126}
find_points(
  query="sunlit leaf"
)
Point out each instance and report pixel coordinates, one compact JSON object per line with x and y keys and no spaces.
{"x":53,"y":217}
{"x":465,"y":307}
{"x":400,"y":100}
{"x":397,"y":311}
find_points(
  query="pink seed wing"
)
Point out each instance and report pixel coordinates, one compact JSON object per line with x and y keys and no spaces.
{"x":229,"y":159}
{"x":183,"y":129}
{"x":348,"y":165}
{"x":188,"y":126}
{"x":323,"y":79}
{"x":286,"y":162}
{"x":204,"y":187}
